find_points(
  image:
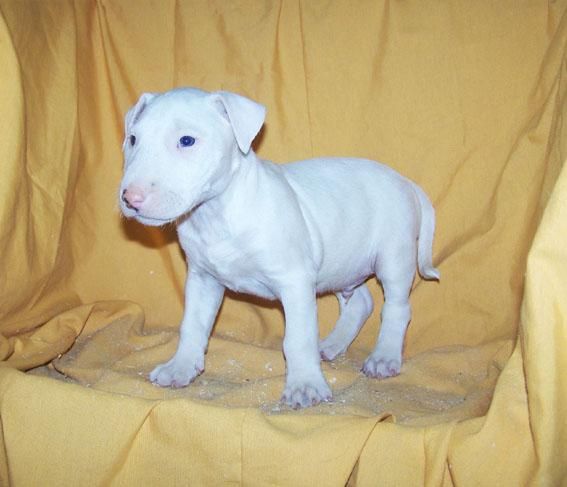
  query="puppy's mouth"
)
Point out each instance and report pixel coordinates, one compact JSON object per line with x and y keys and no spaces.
{"x":153,"y":220}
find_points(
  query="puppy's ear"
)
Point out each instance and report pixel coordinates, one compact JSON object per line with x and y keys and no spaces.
{"x":245,"y":116}
{"x":135,"y":112}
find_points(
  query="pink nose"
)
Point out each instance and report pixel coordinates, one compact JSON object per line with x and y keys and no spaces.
{"x":133,"y":198}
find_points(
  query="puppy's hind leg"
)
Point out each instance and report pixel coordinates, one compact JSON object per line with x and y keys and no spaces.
{"x":355,"y":308}
{"x":396,"y":275}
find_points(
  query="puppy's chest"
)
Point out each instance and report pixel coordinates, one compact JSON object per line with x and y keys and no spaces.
{"x":228,"y":256}
{"x":220,"y":254}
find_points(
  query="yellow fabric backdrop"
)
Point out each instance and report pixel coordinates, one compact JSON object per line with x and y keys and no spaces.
{"x":465,"y":98}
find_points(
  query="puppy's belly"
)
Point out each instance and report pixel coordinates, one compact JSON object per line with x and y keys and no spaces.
{"x":337,"y":281}
{"x":342,"y":281}
{"x":250,"y":286}
{"x":256,"y":288}
{"x":345,"y":268}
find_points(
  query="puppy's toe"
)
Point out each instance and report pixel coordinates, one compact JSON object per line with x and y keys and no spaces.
{"x":174,"y":374}
{"x":302,"y":394}
{"x":381,"y":367}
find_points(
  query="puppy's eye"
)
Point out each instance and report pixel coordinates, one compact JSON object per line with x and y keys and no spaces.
{"x":132,"y":140}
{"x":186,"y":141}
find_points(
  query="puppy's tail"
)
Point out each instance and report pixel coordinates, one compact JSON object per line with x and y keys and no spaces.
{"x":426,"y":233}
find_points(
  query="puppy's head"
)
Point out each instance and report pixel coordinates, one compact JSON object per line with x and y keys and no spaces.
{"x":181,"y":149}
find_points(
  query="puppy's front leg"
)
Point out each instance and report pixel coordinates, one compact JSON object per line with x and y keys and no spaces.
{"x":305,"y":384}
{"x":203,"y":296}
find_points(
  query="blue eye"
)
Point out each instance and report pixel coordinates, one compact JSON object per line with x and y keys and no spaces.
{"x":186,"y":141}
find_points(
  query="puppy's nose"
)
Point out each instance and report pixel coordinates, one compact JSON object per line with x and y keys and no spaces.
{"x":133,"y":198}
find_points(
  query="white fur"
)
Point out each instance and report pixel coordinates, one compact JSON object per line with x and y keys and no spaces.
{"x":285,"y":232}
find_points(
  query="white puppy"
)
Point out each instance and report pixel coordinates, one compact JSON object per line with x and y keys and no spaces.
{"x":286,"y":232}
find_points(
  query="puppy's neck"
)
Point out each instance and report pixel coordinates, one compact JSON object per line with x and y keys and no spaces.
{"x":245,"y":171}
{"x":239,"y":187}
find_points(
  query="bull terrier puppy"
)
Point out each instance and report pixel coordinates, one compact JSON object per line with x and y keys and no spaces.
{"x":284,"y":232}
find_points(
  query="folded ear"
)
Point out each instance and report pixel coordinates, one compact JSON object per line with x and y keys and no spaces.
{"x":245,"y":116}
{"x":135,"y":112}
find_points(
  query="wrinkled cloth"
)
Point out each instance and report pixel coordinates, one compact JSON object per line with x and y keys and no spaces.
{"x":465,"y":98}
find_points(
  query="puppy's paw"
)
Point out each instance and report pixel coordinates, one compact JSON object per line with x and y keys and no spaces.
{"x":330,"y":349}
{"x":381,"y":367}
{"x":175,"y":373}
{"x":304,"y":393}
